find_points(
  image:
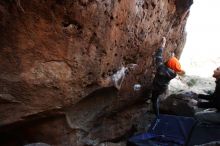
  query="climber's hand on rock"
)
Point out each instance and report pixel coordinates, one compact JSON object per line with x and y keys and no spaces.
{"x":163,"y":42}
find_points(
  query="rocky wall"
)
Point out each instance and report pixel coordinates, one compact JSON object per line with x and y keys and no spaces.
{"x":54,"y":54}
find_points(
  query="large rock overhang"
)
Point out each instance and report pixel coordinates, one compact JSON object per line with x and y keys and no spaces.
{"x":53,"y":54}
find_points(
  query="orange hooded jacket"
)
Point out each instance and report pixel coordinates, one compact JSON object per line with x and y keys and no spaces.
{"x":174,"y":64}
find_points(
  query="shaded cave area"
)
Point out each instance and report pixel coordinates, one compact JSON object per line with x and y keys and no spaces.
{"x":99,"y":118}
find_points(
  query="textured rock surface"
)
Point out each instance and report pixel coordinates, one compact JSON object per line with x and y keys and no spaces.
{"x":37,"y":144}
{"x":183,"y":93}
{"x":53,"y":55}
{"x":194,"y":84}
{"x":180,"y":104}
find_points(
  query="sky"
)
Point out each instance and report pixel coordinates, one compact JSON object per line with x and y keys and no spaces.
{"x":201,"y":53}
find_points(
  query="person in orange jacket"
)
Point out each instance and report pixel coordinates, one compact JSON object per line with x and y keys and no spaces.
{"x":165,"y":71}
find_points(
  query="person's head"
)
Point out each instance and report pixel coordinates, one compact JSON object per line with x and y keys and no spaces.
{"x":174,"y":64}
{"x":216,"y":73}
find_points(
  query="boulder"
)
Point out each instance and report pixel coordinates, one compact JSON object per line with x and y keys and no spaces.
{"x":183,"y":92}
{"x":54,"y":56}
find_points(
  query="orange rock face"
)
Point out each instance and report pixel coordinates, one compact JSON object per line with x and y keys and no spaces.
{"x":54,"y":53}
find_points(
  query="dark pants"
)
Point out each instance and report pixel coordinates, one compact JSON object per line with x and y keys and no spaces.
{"x":156,"y":100}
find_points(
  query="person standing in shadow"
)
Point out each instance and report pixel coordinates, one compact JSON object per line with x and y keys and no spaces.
{"x":211,"y":103}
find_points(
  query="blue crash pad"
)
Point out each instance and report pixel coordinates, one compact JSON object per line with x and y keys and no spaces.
{"x":165,"y":130}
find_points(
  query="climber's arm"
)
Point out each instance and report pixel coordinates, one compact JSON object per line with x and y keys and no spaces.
{"x":159,"y":53}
